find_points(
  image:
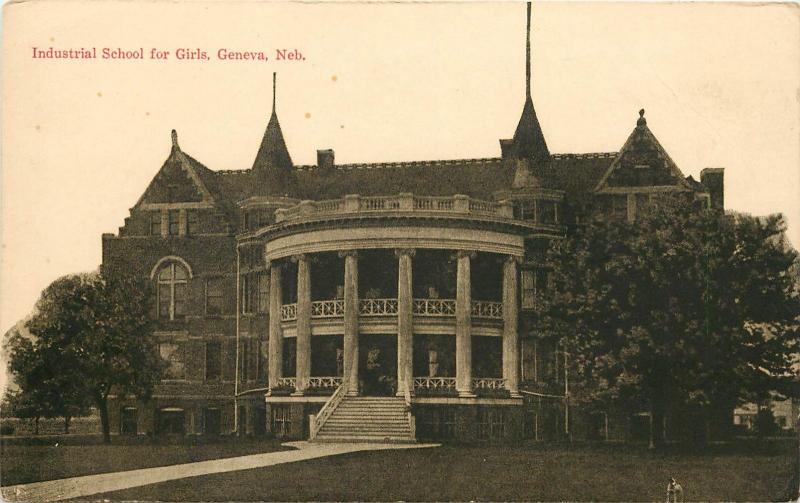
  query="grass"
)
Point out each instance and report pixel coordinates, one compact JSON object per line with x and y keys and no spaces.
{"x":36,"y":459}
{"x":545,"y":472}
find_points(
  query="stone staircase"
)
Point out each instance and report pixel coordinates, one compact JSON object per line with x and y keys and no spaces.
{"x":368,"y":419}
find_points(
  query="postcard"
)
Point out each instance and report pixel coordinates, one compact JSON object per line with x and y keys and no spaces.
{"x":400,"y":251}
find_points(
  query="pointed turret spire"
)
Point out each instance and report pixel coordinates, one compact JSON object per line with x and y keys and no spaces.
{"x":175,"y":140}
{"x":528,"y":55}
{"x":528,"y":141}
{"x":273,"y":164}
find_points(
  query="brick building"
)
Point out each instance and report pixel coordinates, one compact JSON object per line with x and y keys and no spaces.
{"x":330,"y":300}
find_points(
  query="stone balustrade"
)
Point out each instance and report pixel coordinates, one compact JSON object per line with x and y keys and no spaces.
{"x":354,"y":203}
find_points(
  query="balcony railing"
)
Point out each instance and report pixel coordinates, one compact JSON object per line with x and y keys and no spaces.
{"x":484,"y":309}
{"x":288,"y":312}
{"x":434,"y":307}
{"x":324,"y":382}
{"x":377,"y":307}
{"x":327,"y":308}
{"x":287,"y":382}
{"x":434,"y":383}
{"x":488,"y":383}
{"x":388,"y":307}
{"x":457,"y":204}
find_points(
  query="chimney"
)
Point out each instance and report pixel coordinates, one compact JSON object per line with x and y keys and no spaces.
{"x":325,"y":158}
{"x":505,"y":148}
{"x":713,"y":179}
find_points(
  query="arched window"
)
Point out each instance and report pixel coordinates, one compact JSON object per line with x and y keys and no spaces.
{"x":172,"y":282}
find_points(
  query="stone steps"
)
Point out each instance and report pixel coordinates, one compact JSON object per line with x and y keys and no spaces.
{"x":368,"y":419}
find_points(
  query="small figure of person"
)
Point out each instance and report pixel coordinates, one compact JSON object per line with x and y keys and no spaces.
{"x":674,"y":491}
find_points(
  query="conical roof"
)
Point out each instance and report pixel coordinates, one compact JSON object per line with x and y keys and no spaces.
{"x":273,"y":164}
{"x":528,"y":141}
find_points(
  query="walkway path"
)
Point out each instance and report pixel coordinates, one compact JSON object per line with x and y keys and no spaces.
{"x":76,"y":487}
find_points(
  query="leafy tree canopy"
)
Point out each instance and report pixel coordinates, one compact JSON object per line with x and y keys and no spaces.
{"x":93,"y":331}
{"x":684,"y":306}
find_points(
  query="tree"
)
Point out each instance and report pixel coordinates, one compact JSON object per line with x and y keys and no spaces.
{"x":99,"y":326}
{"x":45,"y":390}
{"x":683,"y":308}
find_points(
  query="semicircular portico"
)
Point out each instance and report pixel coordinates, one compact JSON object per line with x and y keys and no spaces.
{"x":359,"y":238}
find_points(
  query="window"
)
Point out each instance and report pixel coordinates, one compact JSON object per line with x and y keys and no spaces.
{"x":213,"y":296}
{"x":619,"y":207}
{"x":174,"y":219}
{"x":155,"y":223}
{"x":526,"y":210}
{"x":433,"y":363}
{"x":170,"y":421}
{"x":213,"y":361}
{"x":171,"y":354}
{"x":530,"y":367}
{"x":281,"y":420}
{"x":172,"y":282}
{"x":528,"y":289}
{"x":547,"y":212}
{"x":262,"y":361}
{"x":263,"y":292}
{"x":193,"y":223}
{"x":212,"y":420}
{"x":255,"y":293}
{"x":244,"y":356}
{"x":491,"y":423}
{"x":447,"y":423}
{"x":247,"y":290}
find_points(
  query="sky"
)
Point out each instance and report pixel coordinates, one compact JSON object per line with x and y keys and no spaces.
{"x":81,"y":139}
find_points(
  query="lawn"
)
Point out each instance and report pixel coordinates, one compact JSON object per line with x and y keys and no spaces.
{"x":548,"y":472}
{"x":21,"y":462}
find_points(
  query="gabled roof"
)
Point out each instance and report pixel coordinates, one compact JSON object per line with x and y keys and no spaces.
{"x":575,"y":174}
{"x":642,"y":162}
{"x":169,"y":184}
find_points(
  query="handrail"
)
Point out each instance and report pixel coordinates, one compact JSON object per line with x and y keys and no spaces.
{"x":327,"y":409}
{"x":412,"y":422}
{"x":541,"y":395}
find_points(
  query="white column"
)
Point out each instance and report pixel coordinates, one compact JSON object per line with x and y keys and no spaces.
{"x":510,"y":327}
{"x":303,"y":324}
{"x":351,"y":320}
{"x":405,"y":319}
{"x":275,"y":332}
{"x":464,"y":325}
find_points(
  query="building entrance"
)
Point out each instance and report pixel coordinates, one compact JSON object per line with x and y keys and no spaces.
{"x":377,"y":355}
